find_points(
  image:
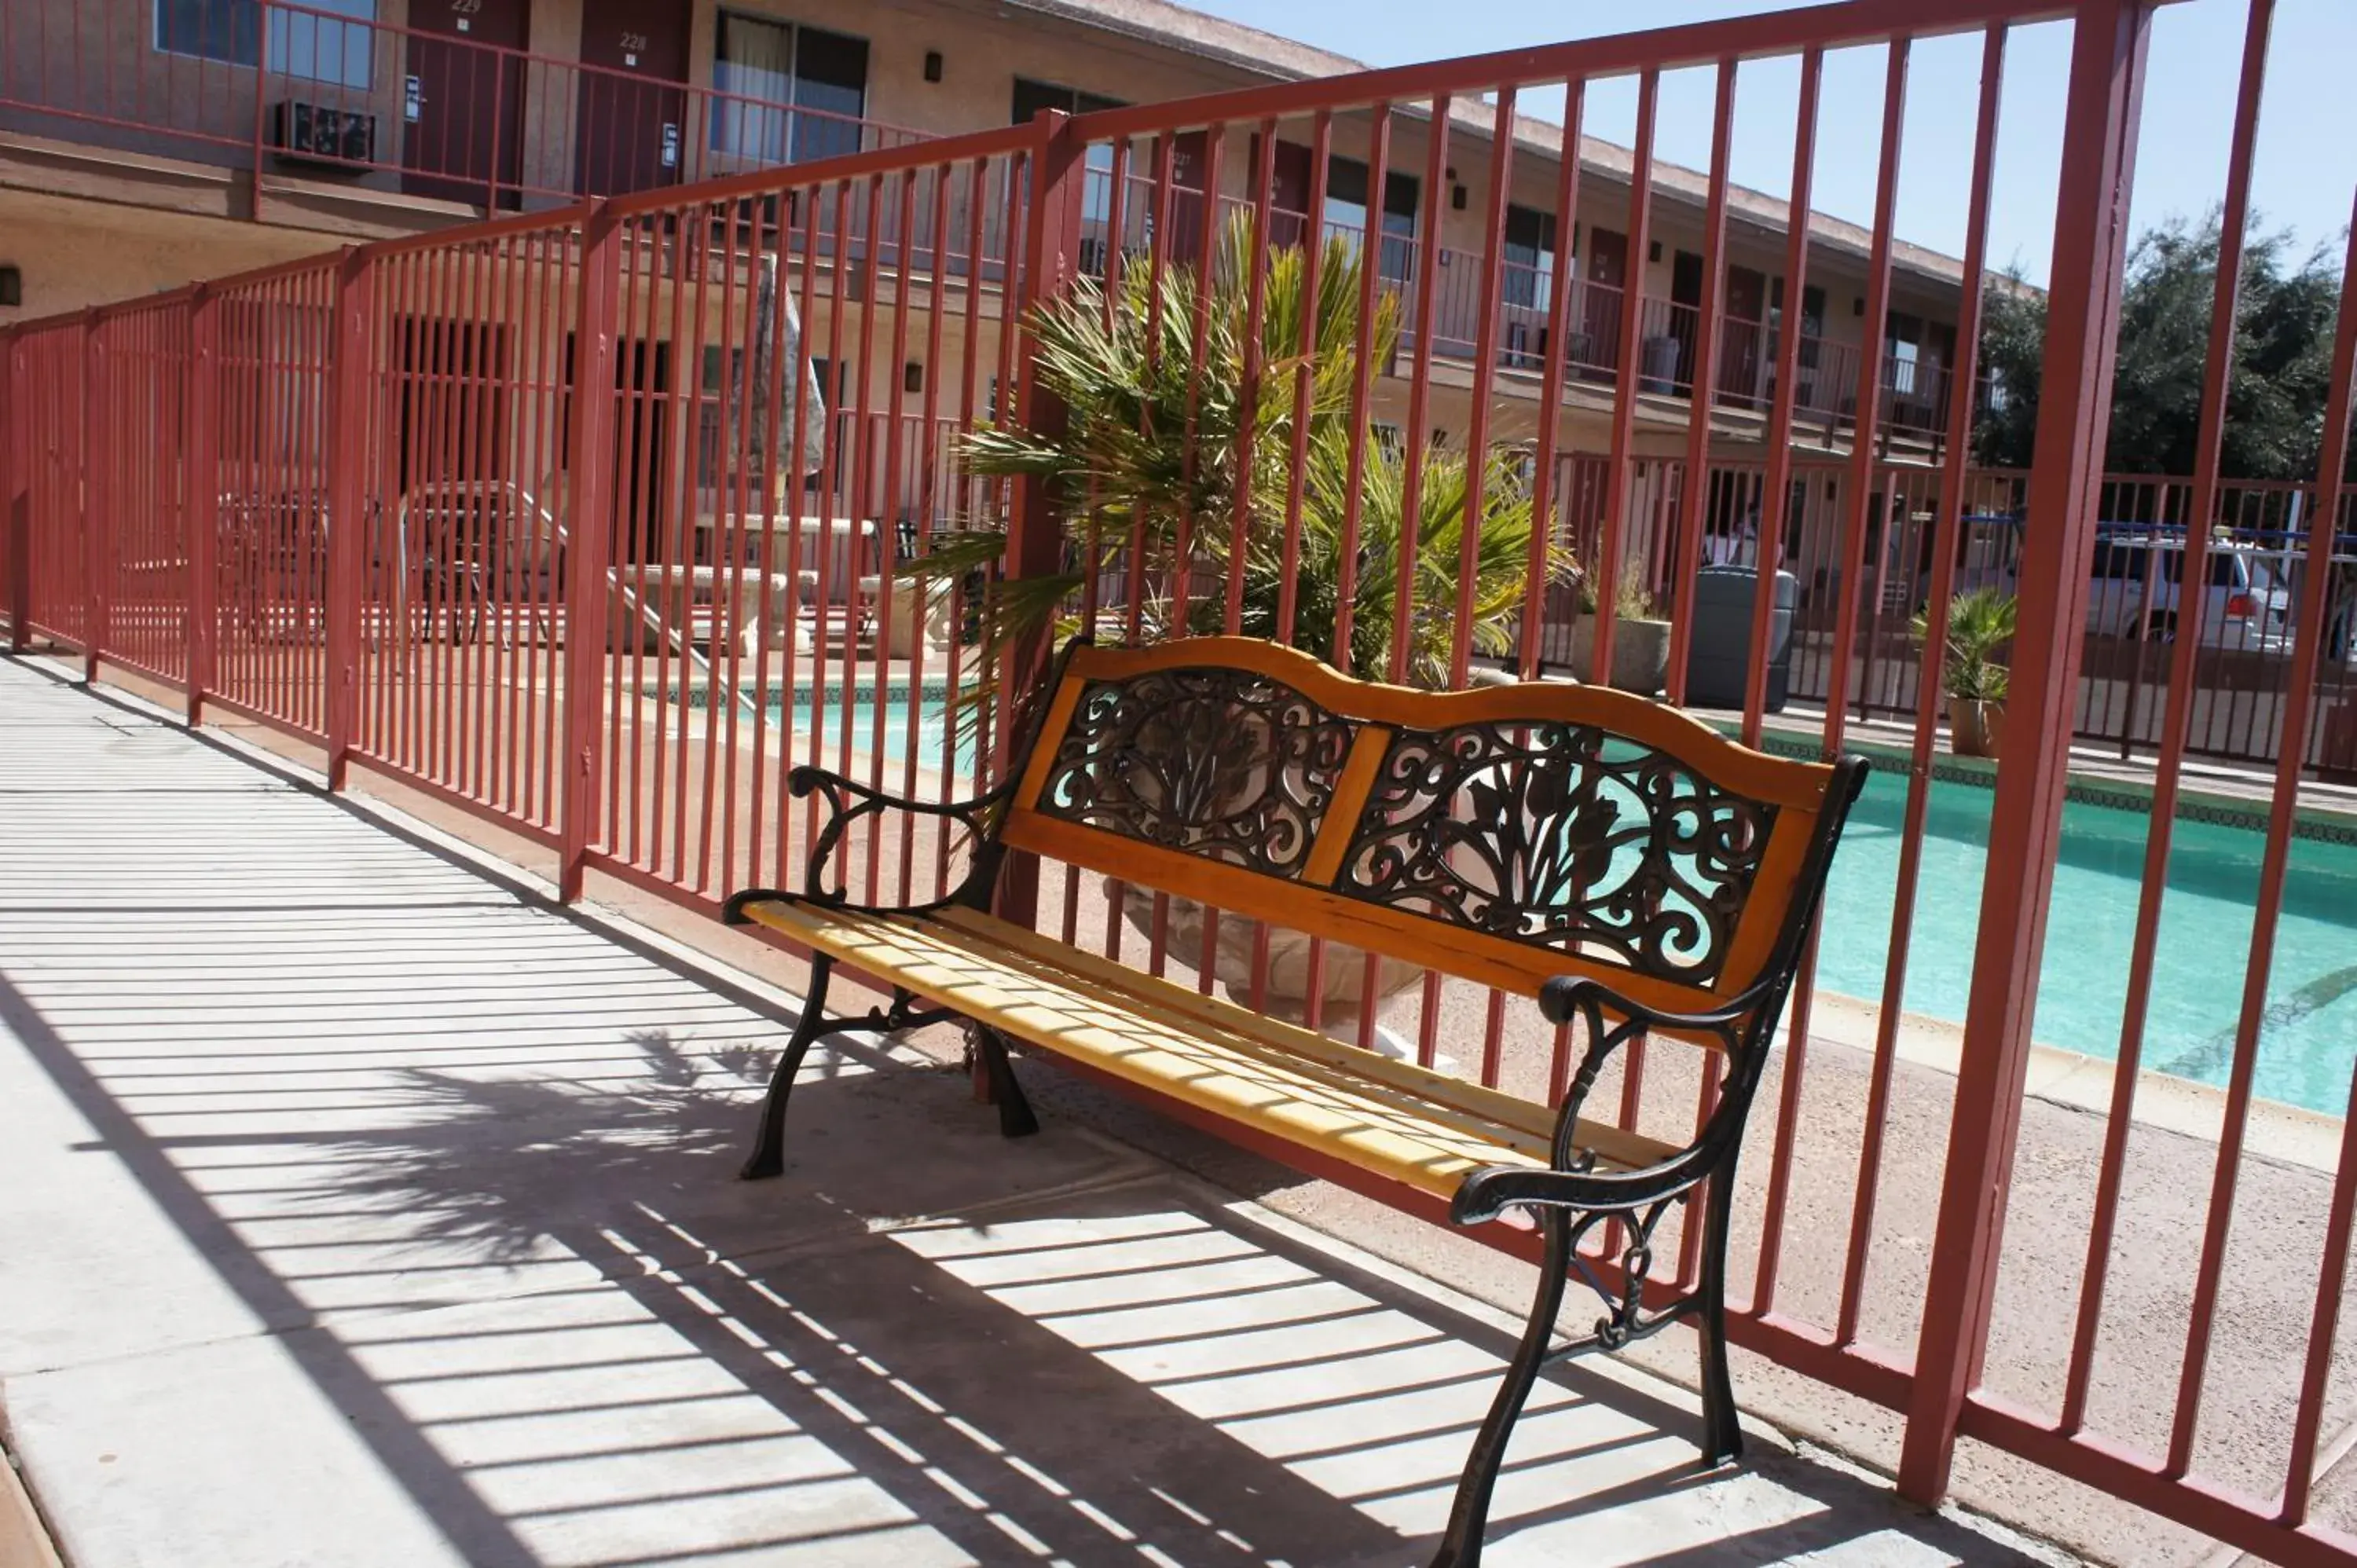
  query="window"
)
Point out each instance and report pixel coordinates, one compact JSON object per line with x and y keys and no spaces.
{"x":786,"y":95}
{"x":1030,"y":97}
{"x":1812,"y":318}
{"x":1096,"y":185}
{"x":228,"y":30}
{"x":1906,"y":335}
{"x":1346,"y":210}
{"x":1530,"y":257}
{"x":305,"y":47}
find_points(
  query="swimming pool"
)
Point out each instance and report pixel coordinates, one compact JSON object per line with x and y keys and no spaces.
{"x":933,"y":722}
{"x":2308,"y":1043}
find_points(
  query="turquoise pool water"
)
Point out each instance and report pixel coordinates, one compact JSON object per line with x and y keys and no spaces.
{"x":2308,"y":1042}
{"x":2307,"y":1047}
{"x":932,"y":724}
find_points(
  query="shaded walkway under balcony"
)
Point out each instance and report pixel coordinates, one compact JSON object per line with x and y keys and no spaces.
{"x":365,"y":1208}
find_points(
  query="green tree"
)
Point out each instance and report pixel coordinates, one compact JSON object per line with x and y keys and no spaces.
{"x":2274,"y":406}
{"x":2013,"y":346}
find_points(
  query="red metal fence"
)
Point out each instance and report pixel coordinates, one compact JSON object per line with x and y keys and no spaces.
{"x":553,"y":518}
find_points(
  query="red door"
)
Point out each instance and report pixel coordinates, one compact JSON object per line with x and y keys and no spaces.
{"x":462,"y":100}
{"x":1605,"y":270}
{"x":1743,"y":352}
{"x":1288,"y":200}
{"x":1189,"y":161}
{"x":632,"y":131}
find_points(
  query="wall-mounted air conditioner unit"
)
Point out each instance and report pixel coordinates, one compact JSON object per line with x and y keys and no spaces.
{"x":315,"y":133}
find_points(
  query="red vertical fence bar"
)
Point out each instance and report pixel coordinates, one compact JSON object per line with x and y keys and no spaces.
{"x":1607,"y":571}
{"x":591,"y":586}
{"x":1953,"y":510}
{"x":200,"y":493}
{"x":94,"y":512}
{"x":2090,"y":222}
{"x":2161,"y":823}
{"x":15,"y":517}
{"x":347,"y":441}
{"x":1776,"y":502}
{"x":1035,"y":544}
{"x":2309,"y":624}
{"x":1852,"y":545}
{"x":1694,"y":484}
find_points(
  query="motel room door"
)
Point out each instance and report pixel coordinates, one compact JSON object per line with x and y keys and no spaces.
{"x":632,"y":131}
{"x":462,"y":102}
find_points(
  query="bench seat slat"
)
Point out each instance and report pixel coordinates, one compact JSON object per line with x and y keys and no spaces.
{"x":1422,"y":1128}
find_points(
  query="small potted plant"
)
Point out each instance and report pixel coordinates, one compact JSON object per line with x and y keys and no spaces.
{"x":1980,"y":625}
{"x":1641,"y":637}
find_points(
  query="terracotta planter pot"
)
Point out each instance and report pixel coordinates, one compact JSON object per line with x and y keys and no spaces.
{"x":1974,"y":727}
{"x":1641,"y":654}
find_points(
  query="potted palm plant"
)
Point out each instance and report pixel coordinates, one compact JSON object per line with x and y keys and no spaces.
{"x":1980,"y":625}
{"x":1641,"y":637}
{"x":1145,"y":459}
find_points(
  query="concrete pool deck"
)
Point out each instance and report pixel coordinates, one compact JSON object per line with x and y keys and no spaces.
{"x":2272,"y":1263}
{"x":362,"y":1209}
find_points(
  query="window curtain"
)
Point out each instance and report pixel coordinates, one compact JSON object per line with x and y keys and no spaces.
{"x":755,"y":70}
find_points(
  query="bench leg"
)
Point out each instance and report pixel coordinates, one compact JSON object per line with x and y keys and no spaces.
{"x":768,"y":1158}
{"x":1461,"y":1546}
{"x":1015,"y":1118}
{"x":1722,"y":1433}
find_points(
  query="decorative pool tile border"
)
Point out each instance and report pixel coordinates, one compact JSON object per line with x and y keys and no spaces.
{"x":695,"y":695}
{"x":2191,"y":805}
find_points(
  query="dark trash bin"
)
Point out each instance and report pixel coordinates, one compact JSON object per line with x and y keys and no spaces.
{"x":1718,"y":657}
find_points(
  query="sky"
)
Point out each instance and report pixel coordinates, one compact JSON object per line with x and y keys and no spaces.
{"x":2303,"y":178}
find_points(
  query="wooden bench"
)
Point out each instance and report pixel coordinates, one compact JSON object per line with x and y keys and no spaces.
{"x":1630,"y":868}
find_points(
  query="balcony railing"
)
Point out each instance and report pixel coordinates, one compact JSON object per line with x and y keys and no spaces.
{"x":286,"y":91}
{"x":1914,"y":391}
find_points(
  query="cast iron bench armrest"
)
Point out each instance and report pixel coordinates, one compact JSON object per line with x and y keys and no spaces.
{"x":1490,"y":1191}
{"x":849,"y":801}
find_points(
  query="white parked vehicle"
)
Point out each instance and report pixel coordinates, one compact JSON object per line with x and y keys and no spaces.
{"x":2137,"y":591}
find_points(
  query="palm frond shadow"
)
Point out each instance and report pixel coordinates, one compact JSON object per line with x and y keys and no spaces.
{"x":499,"y":1164}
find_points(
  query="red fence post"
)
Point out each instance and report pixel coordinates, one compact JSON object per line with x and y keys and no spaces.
{"x":2074,"y":412}
{"x":1035,"y":532}
{"x":94,"y":552}
{"x":201,"y":492}
{"x":348,"y":429}
{"x":16,"y":512}
{"x":587,"y":542}
{"x":260,"y":102}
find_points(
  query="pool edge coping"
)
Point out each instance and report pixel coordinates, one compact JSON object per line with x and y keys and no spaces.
{"x":2077,"y":1080}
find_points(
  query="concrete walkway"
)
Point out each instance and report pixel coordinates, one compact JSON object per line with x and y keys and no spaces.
{"x":358,"y":1207}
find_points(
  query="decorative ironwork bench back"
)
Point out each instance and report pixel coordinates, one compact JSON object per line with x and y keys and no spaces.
{"x":1510,"y":835}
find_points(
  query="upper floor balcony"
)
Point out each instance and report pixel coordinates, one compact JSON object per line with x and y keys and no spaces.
{"x":1915,"y":383}
{"x":321,"y":114}
{"x":438,"y":110}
